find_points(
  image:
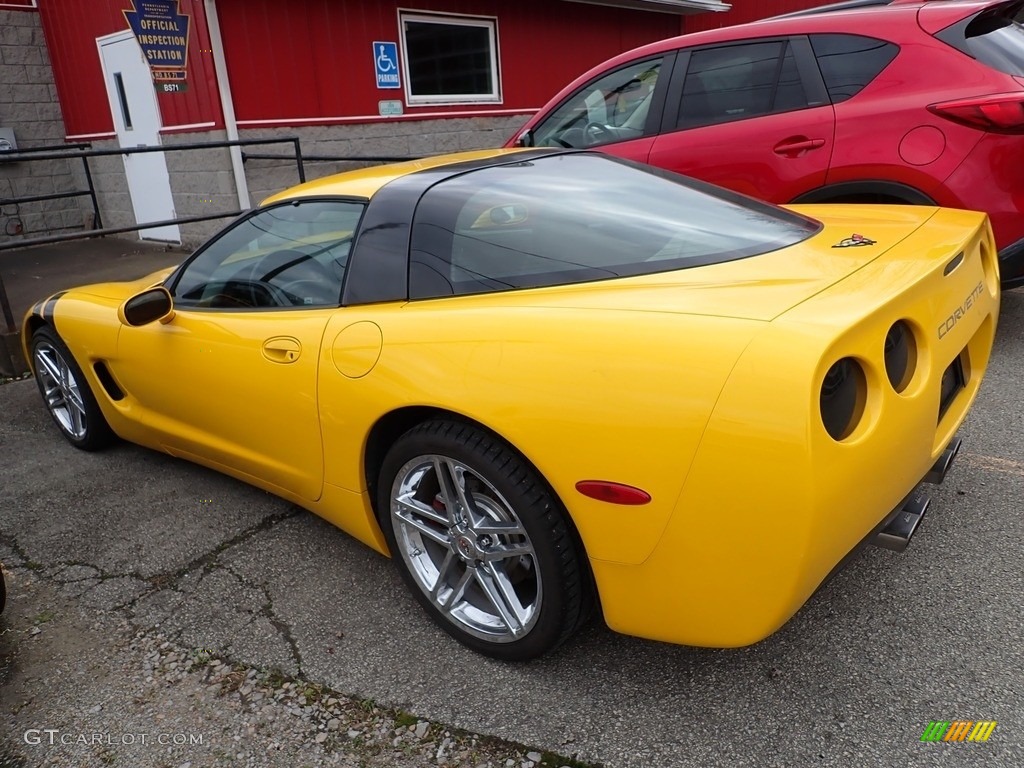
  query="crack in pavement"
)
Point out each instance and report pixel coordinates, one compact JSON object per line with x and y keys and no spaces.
{"x":167,"y":580}
{"x":268,"y":612}
{"x":209,"y":559}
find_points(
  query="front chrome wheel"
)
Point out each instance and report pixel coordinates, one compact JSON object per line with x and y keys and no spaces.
{"x":66,"y":392}
{"x":62,"y":392}
{"x":466,"y":548}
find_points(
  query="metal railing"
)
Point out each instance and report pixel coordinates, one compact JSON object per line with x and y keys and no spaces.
{"x":85,"y":151}
{"x":45,"y":153}
{"x":334,"y":158}
{"x":5,"y":307}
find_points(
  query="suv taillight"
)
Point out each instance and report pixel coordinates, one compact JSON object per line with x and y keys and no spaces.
{"x":998,"y":113}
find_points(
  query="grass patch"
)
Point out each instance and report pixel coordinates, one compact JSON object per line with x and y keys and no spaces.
{"x":405,"y":720}
{"x":367,"y":705}
{"x":312,"y":693}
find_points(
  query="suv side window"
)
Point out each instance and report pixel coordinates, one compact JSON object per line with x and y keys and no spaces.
{"x":850,"y":62}
{"x":735,"y":82}
{"x":612,"y":108}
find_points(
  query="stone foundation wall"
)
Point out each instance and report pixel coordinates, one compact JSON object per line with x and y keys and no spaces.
{"x":29,"y":105}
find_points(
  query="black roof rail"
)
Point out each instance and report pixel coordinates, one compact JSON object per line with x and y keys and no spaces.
{"x":843,"y":6}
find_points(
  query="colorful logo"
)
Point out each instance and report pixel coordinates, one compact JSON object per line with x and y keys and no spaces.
{"x":854,"y":241}
{"x":958,"y":730}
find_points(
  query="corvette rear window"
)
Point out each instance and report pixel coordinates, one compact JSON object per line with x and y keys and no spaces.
{"x":573,"y":218}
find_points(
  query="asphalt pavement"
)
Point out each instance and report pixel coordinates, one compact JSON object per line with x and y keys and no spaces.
{"x":893,"y":642}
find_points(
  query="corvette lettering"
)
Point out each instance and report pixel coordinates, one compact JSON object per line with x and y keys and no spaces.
{"x":950,"y":322}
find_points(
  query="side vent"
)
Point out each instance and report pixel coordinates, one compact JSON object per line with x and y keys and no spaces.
{"x":103,"y":374}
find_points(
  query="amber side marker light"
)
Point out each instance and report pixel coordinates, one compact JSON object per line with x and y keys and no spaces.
{"x":613,"y":493}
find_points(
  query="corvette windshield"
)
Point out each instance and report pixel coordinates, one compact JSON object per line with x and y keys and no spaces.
{"x":578,"y":217}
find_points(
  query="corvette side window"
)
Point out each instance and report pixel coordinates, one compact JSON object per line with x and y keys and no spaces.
{"x":740,"y":81}
{"x":290,"y":255}
{"x":612,"y":108}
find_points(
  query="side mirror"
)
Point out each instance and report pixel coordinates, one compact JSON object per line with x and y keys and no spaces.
{"x":143,"y":308}
{"x":525,"y":139}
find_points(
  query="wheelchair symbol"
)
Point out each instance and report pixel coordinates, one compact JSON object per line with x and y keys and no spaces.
{"x":384,"y":62}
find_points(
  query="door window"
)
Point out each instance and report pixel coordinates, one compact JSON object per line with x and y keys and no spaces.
{"x":740,"y":81}
{"x":289,"y":255}
{"x":611,"y":108}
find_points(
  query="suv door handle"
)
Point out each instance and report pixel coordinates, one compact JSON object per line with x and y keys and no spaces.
{"x":282,"y":349}
{"x":797,"y":146}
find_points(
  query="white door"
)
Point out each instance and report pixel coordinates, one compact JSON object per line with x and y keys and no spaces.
{"x":137,"y":123}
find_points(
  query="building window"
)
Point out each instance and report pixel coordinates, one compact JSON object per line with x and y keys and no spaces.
{"x":450,"y":59}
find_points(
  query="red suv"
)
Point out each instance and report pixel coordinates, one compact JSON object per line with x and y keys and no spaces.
{"x":905,"y":102}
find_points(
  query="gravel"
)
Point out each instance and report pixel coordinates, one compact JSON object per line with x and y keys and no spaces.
{"x":84,"y":689}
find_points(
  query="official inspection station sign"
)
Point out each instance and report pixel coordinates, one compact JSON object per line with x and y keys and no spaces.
{"x":162,"y":31}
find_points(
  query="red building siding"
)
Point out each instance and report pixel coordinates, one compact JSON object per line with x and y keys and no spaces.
{"x":748,"y":10}
{"x":310,"y":61}
{"x":313,"y":62}
{"x":71,"y":29}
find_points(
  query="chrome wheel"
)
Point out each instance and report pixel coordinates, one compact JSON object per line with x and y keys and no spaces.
{"x":61,"y":389}
{"x":466,"y":548}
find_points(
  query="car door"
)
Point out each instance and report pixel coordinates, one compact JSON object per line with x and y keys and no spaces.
{"x":618,"y":112}
{"x":230,"y":379}
{"x":753,"y":117}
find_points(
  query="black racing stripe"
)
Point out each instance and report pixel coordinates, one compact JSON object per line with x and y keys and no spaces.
{"x":37,"y":309}
{"x":48,"y":306}
{"x":378,"y":268}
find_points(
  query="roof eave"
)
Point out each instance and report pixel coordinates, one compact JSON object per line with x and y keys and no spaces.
{"x":678,"y":7}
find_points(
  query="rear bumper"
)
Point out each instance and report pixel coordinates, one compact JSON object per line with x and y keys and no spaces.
{"x":771,"y":503}
{"x":1011,"y":265}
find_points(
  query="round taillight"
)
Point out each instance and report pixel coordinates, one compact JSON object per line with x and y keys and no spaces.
{"x":900,"y":355}
{"x":842,"y":397}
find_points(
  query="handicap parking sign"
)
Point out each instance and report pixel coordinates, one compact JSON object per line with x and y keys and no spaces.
{"x":385,"y":61}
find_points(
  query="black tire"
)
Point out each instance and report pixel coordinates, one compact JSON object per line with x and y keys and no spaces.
{"x":554,"y":572}
{"x":865,"y":198}
{"x":85,"y":426}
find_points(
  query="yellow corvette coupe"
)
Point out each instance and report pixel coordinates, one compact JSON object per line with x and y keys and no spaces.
{"x":550,"y":382}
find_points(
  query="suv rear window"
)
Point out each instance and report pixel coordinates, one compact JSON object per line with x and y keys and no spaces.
{"x":994,"y":37}
{"x":850,"y":62}
{"x":579,"y":217}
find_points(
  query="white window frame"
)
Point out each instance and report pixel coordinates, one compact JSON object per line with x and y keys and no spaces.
{"x":490,"y":23}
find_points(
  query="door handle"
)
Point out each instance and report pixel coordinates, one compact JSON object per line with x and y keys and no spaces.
{"x":797,"y":146}
{"x":282,"y":349}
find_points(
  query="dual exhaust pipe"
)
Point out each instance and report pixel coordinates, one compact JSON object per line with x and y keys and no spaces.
{"x":895,"y":535}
